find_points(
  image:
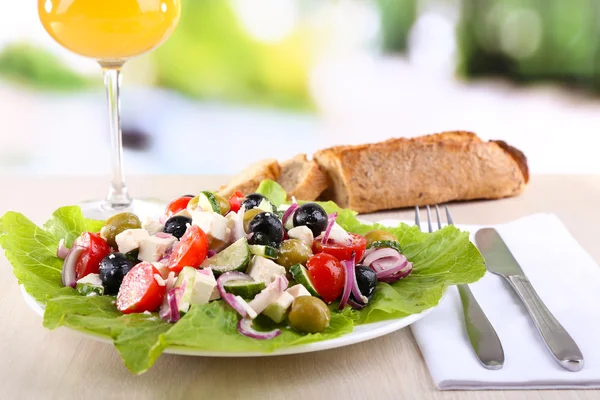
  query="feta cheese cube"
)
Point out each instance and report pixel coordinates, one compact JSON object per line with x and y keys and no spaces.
{"x":302,"y":233}
{"x":297,"y":291}
{"x":204,"y":284}
{"x":152,"y":226}
{"x":214,"y":225}
{"x":264,"y":270}
{"x":154,"y":248}
{"x":278,"y":309}
{"x":130,"y":239}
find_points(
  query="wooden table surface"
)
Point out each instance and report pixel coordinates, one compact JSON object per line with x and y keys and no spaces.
{"x":61,"y":364}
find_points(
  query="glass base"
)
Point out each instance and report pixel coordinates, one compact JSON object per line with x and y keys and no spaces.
{"x":102,"y":210}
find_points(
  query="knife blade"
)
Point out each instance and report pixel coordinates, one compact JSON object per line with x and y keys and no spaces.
{"x":500,"y":261}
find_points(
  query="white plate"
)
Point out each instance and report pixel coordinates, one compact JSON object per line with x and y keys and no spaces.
{"x":360,"y":333}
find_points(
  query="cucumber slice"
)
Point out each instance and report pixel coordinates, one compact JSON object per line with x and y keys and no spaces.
{"x":380,"y":244}
{"x":264,"y":251}
{"x":90,"y":284}
{"x":300,"y":274}
{"x":244,"y":288}
{"x":266,"y":206}
{"x":234,"y":258}
{"x":185,"y":280}
{"x":209,"y":202}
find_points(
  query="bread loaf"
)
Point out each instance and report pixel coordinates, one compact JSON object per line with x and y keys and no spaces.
{"x":302,"y":178}
{"x":430,"y":169}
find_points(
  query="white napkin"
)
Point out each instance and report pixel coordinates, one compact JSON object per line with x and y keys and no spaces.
{"x":568,"y":281}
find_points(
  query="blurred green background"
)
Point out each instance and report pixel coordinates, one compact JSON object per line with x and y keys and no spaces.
{"x":224,"y":50}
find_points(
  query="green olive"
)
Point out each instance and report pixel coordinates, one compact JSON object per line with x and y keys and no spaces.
{"x":223,"y":204}
{"x":248,"y":215}
{"x":292,"y":252}
{"x":377,"y":236}
{"x":117,"y":224}
{"x":309,"y":314}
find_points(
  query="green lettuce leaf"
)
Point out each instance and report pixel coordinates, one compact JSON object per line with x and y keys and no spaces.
{"x":443,"y":258}
{"x":272,"y":191}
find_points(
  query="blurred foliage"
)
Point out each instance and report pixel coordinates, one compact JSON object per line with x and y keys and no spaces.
{"x":27,"y":64}
{"x":396,"y":18}
{"x":531,"y":40}
{"x":211,"y":56}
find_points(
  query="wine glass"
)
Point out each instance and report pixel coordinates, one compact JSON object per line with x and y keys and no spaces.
{"x":111,"y":32}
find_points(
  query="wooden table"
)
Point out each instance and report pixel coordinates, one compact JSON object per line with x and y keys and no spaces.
{"x":61,"y":364}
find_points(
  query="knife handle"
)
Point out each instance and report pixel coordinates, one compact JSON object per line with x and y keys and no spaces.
{"x":558,"y":340}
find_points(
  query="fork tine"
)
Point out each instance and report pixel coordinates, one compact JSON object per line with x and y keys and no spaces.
{"x":417,"y":217}
{"x":429,"y":219}
{"x":448,"y":216}
{"x":437,"y":214}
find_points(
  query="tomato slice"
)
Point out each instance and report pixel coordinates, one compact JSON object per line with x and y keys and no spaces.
{"x":140,"y":291}
{"x":328,"y":276}
{"x":177,"y":205}
{"x":235,"y":201}
{"x":190,"y":251}
{"x":96,"y":249}
{"x":342,"y":252}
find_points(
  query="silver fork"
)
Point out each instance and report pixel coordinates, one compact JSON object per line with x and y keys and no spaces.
{"x":481,"y":333}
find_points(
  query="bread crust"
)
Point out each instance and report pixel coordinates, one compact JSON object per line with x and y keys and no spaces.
{"x":430,"y":169}
{"x":302,"y":178}
{"x":247,"y":181}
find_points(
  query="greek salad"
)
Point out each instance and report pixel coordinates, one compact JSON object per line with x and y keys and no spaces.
{"x":292,"y":263}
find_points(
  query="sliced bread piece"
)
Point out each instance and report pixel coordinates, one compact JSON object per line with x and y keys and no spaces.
{"x":425,"y":170}
{"x":302,"y":178}
{"x":248,"y":180}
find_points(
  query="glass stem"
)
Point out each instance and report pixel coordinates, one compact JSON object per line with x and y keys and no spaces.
{"x":118,"y":196}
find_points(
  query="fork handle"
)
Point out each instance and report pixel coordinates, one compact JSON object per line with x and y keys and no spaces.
{"x":559,"y":342}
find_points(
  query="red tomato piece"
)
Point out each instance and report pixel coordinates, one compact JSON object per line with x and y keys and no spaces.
{"x":140,"y":291}
{"x":96,"y":249}
{"x":328,"y":276}
{"x":235,"y":201}
{"x":177,"y":205}
{"x":341,"y":252}
{"x":190,"y":251}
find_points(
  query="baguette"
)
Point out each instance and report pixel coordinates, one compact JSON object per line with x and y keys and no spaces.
{"x":247,"y":181}
{"x":430,"y":169}
{"x":302,"y":178}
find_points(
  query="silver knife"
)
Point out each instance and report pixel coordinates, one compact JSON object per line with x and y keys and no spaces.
{"x":500,"y":261}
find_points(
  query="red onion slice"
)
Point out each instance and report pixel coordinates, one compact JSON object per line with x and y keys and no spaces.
{"x":163,"y":235}
{"x":355,"y":305}
{"x":244,"y":327}
{"x":210,"y":253}
{"x":353,"y":282}
{"x":403,"y":273}
{"x":380,"y":253}
{"x":388,"y":267}
{"x":288,"y":213}
{"x":229,"y":298}
{"x":331,"y":221}
{"x":169,"y":310}
{"x":68,"y":274}
{"x":347,"y":286}
{"x":62,"y":250}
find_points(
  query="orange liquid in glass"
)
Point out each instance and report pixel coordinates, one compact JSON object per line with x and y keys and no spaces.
{"x":109,"y":30}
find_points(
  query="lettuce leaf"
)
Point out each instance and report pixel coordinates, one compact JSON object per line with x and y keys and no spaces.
{"x":443,"y":258}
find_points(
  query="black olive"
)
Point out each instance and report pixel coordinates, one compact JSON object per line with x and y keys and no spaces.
{"x":312,"y":216}
{"x":266,"y":229}
{"x":367,"y":280}
{"x":188,"y":195}
{"x":177,"y":225}
{"x":133,"y":256}
{"x":253,"y":200}
{"x":113,"y":268}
